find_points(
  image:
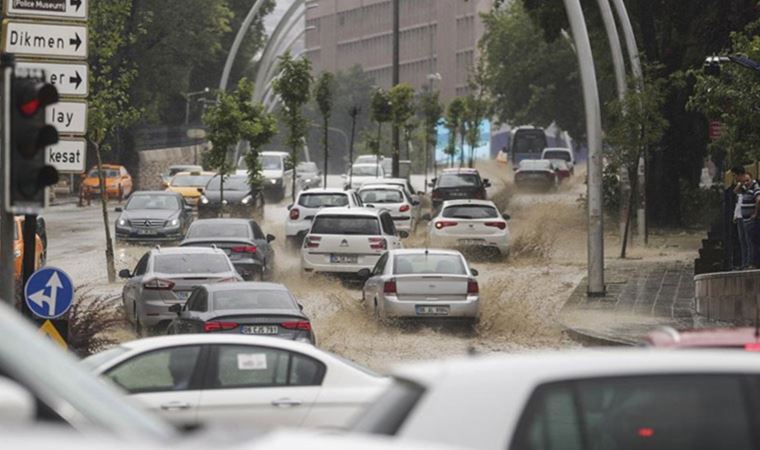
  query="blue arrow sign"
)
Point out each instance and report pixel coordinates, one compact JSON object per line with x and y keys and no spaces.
{"x":49,"y":293}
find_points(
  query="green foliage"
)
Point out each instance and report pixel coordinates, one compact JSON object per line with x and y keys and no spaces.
{"x":402,"y":103}
{"x":381,"y":112}
{"x":476,"y":109}
{"x":323,"y":95}
{"x":431,"y":111}
{"x":700,"y":207}
{"x":455,"y":124}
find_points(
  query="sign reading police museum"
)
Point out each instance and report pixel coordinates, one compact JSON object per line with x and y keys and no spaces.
{"x":60,"y":9}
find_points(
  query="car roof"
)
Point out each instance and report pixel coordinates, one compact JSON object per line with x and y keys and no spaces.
{"x":185,"y":250}
{"x":708,"y":337}
{"x":350,"y":212}
{"x":167,"y":193}
{"x":223,"y":221}
{"x":248,"y":285}
{"x":275,"y":153}
{"x":459,"y":170}
{"x":179,"y":166}
{"x":468,"y":202}
{"x":556,"y":149}
{"x":211,"y":338}
{"x":366,"y":165}
{"x":380,"y":185}
{"x":195,"y":173}
{"x":420,"y":251}
{"x":322,"y":190}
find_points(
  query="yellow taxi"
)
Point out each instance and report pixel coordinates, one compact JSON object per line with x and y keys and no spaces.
{"x":18,"y":248}
{"x":117,"y":179}
{"x":187,"y":184}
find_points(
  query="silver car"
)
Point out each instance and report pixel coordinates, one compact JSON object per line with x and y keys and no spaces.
{"x":422,"y":283}
{"x":166,"y":277}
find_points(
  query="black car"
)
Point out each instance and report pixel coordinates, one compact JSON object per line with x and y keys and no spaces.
{"x":242,"y":240}
{"x":236,"y":195}
{"x":153,"y":216}
{"x":458,"y":184}
{"x":266,"y":309}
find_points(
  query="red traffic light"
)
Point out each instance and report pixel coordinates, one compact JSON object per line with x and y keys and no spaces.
{"x":33,"y":97}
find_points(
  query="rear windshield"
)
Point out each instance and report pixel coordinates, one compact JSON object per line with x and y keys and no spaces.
{"x":271,"y":162}
{"x":234,"y":183}
{"x":363,"y":159}
{"x":175,"y":170}
{"x":106,"y":173}
{"x":168,"y":202}
{"x":191,"y":263}
{"x":458,"y":180}
{"x":430,"y":263}
{"x":366,"y":171}
{"x":381,"y":196}
{"x":249,"y":299}
{"x":218,"y":230}
{"x":354,"y":225}
{"x":191,"y":180}
{"x":673,"y":412}
{"x":470,"y":212}
{"x":306,"y":167}
{"x":322,"y":200}
{"x":564,"y":156}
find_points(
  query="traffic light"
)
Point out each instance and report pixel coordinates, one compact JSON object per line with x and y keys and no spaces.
{"x":30,"y":135}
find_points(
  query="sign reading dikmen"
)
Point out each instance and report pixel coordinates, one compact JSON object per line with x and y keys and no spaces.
{"x":45,"y":40}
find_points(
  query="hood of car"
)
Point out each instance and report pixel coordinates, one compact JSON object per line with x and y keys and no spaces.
{"x":229,"y":196}
{"x":185,"y":191}
{"x":164,"y":214}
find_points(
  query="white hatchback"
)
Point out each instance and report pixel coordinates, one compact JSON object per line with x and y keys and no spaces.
{"x":468,"y":224}
{"x":308,"y":203}
{"x":393,"y":199}
{"x":347,"y":240}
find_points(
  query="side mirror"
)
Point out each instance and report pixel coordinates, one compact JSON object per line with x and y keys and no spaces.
{"x":290,"y":206}
{"x":17,"y":404}
{"x":506,"y":216}
{"x":487,"y":182}
{"x":364,"y":274}
{"x":474,"y":272}
{"x":420,"y":193}
{"x":188,"y":208}
{"x":427,"y":217}
{"x":200,"y":190}
{"x":176,"y":309}
{"x":415,"y":202}
{"x":403,"y":234}
{"x":125,"y":274}
{"x":270,"y":238}
{"x":344,"y":176}
{"x":431,"y":183}
{"x":300,"y":306}
{"x":118,"y":209}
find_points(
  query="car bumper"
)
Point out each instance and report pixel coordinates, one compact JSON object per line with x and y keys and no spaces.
{"x":500,"y":241}
{"x":319,"y":262}
{"x":161,"y":235}
{"x":403,"y":223}
{"x":241,"y":211}
{"x":249,"y":269}
{"x":155,"y":312}
{"x":393,"y":307}
{"x":293,"y":228}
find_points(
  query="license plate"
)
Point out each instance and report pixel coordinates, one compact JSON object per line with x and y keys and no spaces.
{"x":260,"y":329}
{"x":432,"y":310}
{"x":471,"y":242}
{"x":344,"y":259}
{"x":147,"y":232}
{"x":182,"y":295}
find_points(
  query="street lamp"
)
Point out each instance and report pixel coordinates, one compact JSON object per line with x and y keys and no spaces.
{"x":188,"y":96}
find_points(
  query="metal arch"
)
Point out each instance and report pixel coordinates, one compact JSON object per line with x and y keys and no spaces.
{"x":236,"y":43}
{"x":270,"y":72}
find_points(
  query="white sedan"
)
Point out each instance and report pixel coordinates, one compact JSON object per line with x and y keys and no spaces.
{"x":393,"y":199}
{"x":239,"y":381}
{"x":422,"y":283}
{"x":470,"y":223}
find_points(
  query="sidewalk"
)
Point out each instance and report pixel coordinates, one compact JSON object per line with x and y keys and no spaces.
{"x":640,"y":297}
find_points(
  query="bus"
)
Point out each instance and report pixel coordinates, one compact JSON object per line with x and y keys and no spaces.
{"x":527,"y":143}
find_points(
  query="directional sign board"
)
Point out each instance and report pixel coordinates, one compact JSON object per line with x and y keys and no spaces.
{"x":71,"y":79}
{"x":49,"y":293}
{"x":45,"y":40}
{"x":68,"y":117}
{"x":58,"y":9}
{"x":68,"y":156}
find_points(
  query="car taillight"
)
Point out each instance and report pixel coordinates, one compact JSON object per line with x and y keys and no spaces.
{"x":295,"y":214}
{"x":752,"y":347}
{"x":445,"y":223}
{"x":159,"y":284}
{"x":210,"y":327}
{"x":378,"y":244}
{"x":244,"y":249}
{"x":472,"y":287}
{"x":499,"y":225}
{"x":404,"y":208}
{"x":389,"y":287}
{"x":311,"y":241}
{"x":300,"y":325}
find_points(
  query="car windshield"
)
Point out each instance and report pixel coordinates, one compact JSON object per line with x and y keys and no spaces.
{"x":159,"y":202}
{"x":557,"y":154}
{"x":107,"y":173}
{"x":458,"y":180}
{"x":191,"y":263}
{"x":252,"y":299}
{"x":350,"y":225}
{"x":271,"y":162}
{"x":92,"y":362}
{"x":322,"y":200}
{"x":215,"y":229}
{"x":191,"y":180}
{"x":470,"y":212}
{"x":177,"y":169}
{"x":306,"y":168}
{"x":366,"y":171}
{"x":408,"y":264}
{"x":231,"y":183}
{"x":381,"y":196}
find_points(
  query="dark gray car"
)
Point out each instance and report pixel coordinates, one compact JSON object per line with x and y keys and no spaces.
{"x":266,"y":309}
{"x":233,"y":196}
{"x":153,"y":216}
{"x":242,"y":240}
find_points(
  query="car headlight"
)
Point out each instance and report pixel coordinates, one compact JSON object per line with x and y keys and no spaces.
{"x":308,"y":180}
{"x":122,"y":222}
{"x":204,"y":200}
{"x":247,"y":200}
{"x":274,"y":180}
{"x":174,"y":222}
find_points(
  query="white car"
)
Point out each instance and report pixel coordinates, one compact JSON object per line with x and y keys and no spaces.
{"x":308,"y":203}
{"x":411,"y":192}
{"x":347,"y":240}
{"x":536,"y":173}
{"x":560,"y":153}
{"x":368,"y":159}
{"x":359,"y":174}
{"x":393,"y":199}
{"x":422,"y":283}
{"x":468,"y":224}
{"x":605,"y":399}
{"x":278,"y":179}
{"x":239,"y":381}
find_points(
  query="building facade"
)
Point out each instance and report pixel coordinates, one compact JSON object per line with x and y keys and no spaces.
{"x":437,"y":37}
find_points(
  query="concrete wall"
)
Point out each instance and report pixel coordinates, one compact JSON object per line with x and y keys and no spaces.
{"x":155,"y":162}
{"x":728,"y":296}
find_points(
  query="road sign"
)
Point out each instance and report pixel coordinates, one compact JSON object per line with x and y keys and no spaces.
{"x":68,"y":156}
{"x":51,"y":40}
{"x":71,"y":80}
{"x":68,"y":117}
{"x":50,"y":330}
{"x":60,"y":9}
{"x":49,"y":293}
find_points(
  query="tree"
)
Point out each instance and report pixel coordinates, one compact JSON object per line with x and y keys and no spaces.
{"x":293,"y":85}
{"x":475,"y":112}
{"x":431,"y":111}
{"x":353,"y":112}
{"x":636,"y":128}
{"x":382,"y":112}
{"x":323,"y":94}
{"x":402,"y":109}
{"x":454,"y":123}
{"x":111,"y":76}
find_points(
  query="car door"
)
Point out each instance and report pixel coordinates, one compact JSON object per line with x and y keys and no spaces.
{"x":131,"y":290}
{"x":166,"y":381}
{"x":248,"y":386}
{"x":262,"y":245}
{"x":390,"y":231}
{"x":371,"y":286}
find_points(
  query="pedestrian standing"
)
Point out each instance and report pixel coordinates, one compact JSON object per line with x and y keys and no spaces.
{"x":735,"y":225}
{"x":748,"y":191}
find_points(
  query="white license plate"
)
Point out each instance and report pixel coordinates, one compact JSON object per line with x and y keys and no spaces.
{"x":472,"y":242}
{"x":147,"y":232}
{"x":432,"y":310}
{"x":260,"y":329}
{"x":344,"y":259}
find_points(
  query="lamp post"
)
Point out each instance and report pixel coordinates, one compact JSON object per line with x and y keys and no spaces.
{"x":188,"y":96}
{"x":432,"y":78}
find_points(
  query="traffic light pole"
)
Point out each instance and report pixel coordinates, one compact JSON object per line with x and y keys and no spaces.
{"x":7,"y":220}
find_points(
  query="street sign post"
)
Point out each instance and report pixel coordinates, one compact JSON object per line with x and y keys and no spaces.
{"x":53,"y":9}
{"x":67,"y":156}
{"x":70,"y":118}
{"x":71,"y":79}
{"x":67,"y":41}
{"x":49,"y":293}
